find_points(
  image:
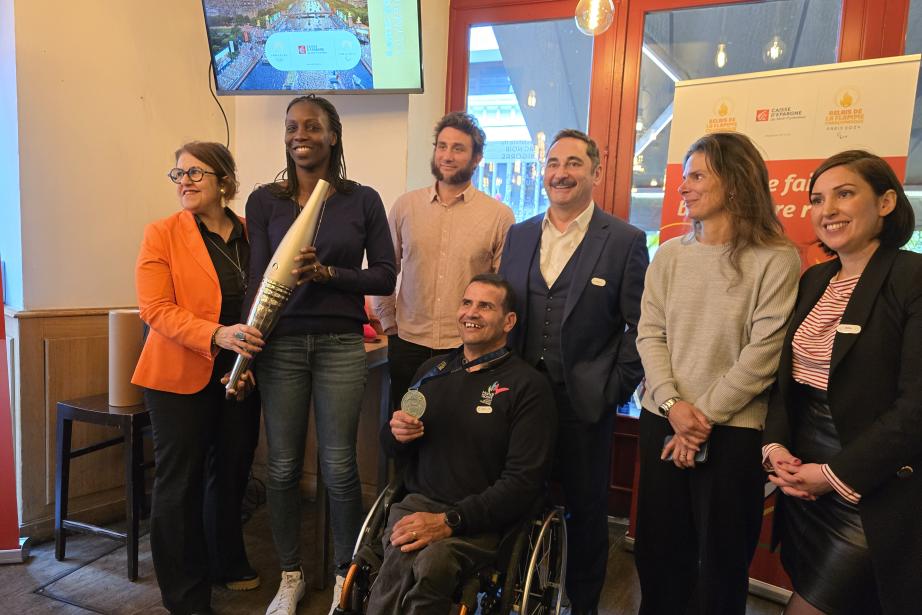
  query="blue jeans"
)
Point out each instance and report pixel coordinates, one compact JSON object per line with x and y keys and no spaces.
{"x":291,"y":369}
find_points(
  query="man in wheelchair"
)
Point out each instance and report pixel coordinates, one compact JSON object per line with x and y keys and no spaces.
{"x":476,"y":433}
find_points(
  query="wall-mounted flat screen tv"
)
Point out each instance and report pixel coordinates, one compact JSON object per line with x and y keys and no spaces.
{"x":325,"y":46}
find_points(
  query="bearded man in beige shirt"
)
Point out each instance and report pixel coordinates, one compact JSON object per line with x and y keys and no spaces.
{"x":443,"y":235}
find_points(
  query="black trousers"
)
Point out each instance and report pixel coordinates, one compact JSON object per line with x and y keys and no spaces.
{"x":203,"y":448}
{"x":422,"y":582}
{"x":697,"y":529}
{"x":403,"y":359}
{"x":583,"y":466}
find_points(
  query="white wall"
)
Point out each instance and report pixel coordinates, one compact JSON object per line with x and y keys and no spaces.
{"x":427,"y":108}
{"x":11,"y":225}
{"x":108,"y":89}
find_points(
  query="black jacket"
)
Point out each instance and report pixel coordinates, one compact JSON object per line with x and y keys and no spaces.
{"x":875,"y":397}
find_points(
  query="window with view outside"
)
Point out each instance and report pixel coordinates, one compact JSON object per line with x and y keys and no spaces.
{"x":913,"y":181}
{"x":715,"y":41}
{"x":526,"y":81}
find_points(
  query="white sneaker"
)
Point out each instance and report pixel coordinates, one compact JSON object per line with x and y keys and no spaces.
{"x":337,"y":592}
{"x":290,"y":592}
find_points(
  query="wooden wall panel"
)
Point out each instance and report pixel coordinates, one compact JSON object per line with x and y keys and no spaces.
{"x":78,"y":367}
{"x":56,"y":355}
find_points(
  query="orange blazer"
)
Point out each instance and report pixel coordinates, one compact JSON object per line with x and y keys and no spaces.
{"x":180,"y":298}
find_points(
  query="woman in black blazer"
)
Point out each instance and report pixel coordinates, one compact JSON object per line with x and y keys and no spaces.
{"x":843,"y":437}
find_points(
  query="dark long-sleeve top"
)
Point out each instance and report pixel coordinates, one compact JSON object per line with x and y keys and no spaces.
{"x":231,"y":260}
{"x":488,"y":442}
{"x":352,"y":225}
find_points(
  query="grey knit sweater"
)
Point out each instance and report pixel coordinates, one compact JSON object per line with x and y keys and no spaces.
{"x":710,"y":336}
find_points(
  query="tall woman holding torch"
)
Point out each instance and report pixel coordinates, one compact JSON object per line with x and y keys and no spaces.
{"x":190,"y":283}
{"x":315,"y":350}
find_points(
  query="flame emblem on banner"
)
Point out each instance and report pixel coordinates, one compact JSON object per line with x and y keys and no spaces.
{"x":847,"y":97}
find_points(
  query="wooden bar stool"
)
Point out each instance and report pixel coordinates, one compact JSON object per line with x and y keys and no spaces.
{"x":131,"y":420}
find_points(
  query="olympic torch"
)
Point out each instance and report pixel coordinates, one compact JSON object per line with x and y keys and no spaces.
{"x":278,"y":280}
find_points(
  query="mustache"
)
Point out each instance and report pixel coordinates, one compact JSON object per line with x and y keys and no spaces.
{"x":563,"y":183}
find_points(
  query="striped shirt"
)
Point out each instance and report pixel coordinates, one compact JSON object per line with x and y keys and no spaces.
{"x":812,"y":356}
{"x":812,"y":344}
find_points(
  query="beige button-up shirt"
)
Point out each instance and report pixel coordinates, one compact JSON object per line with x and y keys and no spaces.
{"x":557,"y":247}
{"x":439,"y":248}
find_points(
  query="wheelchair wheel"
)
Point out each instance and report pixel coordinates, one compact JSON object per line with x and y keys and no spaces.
{"x":535,"y":581}
{"x":367,"y":554}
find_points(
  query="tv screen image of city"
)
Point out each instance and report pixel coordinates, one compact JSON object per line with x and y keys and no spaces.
{"x":328,"y":46}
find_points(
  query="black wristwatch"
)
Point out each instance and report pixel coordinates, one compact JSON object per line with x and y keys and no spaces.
{"x":453,"y":520}
{"x":667,"y":405}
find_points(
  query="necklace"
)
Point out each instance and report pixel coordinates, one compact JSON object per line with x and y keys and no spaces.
{"x":323,"y":207}
{"x":240,"y":271}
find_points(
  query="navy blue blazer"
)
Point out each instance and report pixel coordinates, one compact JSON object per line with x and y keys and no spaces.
{"x":599,"y":337}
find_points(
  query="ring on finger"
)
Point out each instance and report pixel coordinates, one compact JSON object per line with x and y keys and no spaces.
{"x":414,"y":535}
{"x":240,"y":335}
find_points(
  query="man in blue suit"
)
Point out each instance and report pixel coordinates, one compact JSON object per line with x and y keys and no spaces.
{"x":578,"y":273}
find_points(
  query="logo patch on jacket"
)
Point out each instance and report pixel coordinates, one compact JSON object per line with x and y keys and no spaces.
{"x":486,"y":397}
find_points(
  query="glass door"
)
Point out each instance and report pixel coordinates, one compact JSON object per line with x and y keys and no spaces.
{"x":526,"y":81}
{"x":713,"y":41}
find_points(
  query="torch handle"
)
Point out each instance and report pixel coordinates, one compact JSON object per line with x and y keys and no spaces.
{"x":267,"y":307}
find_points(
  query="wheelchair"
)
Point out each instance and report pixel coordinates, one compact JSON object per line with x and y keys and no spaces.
{"x":527,"y":576}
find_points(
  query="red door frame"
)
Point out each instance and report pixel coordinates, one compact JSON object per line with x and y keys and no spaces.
{"x":869,"y":29}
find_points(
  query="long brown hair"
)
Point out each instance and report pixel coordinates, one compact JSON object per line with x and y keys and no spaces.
{"x":748,"y":200}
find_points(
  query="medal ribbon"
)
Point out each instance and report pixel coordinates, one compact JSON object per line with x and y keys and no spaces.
{"x":442,"y":368}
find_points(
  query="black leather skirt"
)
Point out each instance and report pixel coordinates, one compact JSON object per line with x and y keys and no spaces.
{"x":823,"y":547}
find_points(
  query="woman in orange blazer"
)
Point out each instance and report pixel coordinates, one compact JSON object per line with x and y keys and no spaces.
{"x":191,"y":278}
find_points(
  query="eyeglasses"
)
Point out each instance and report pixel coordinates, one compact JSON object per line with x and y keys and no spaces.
{"x":195,"y":174}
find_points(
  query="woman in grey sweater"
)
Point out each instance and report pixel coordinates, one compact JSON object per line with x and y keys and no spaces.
{"x":715,"y":307}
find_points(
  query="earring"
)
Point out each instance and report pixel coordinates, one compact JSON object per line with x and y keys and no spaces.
{"x":222,"y":190}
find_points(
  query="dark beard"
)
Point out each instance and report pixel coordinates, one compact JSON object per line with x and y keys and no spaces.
{"x":461,"y":176}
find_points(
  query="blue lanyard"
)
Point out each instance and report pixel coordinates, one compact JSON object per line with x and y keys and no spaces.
{"x":442,"y":369}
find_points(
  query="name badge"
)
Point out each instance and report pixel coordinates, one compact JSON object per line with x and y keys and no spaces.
{"x":598,"y":282}
{"x":853,"y":329}
{"x":484,"y":410}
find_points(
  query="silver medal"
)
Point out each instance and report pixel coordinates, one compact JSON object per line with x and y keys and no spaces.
{"x":413,"y":403}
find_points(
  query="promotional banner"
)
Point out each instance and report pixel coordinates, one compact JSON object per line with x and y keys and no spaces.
{"x":797,"y":117}
{"x":10,"y":549}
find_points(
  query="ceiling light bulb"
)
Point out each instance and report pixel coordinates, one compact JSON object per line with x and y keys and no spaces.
{"x":774,"y":50}
{"x":594,"y":16}
{"x":721,"y":58}
{"x":532,"y":99}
